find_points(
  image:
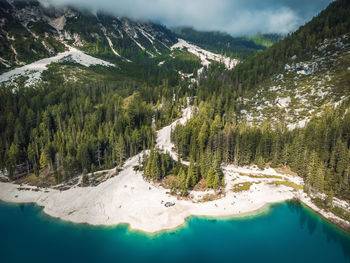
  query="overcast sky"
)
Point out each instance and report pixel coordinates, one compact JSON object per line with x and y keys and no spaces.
{"x":237,"y":17}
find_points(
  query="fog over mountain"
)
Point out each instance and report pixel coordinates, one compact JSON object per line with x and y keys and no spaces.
{"x":238,"y":17}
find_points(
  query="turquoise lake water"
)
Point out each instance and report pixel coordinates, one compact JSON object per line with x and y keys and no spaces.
{"x":287,"y":232}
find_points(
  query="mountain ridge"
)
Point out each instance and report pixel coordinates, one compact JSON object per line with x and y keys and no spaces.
{"x":41,"y":31}
{"x":31,"y":32}
{"x":219,"y":42}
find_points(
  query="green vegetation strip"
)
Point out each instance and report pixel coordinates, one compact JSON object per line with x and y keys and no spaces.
{"x":261,"y":176}
{"x":210,"y":197}
{"x":241,"y":187}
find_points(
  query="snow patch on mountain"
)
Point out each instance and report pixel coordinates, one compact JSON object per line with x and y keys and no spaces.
{"x":48,"y":48}
{"x":5,"y":62}
{"x":109,"y":40}
{"x":205,"y":56}
{"x":146,"y":35}
{"x":138,"y":44}
{"x":34,"y":70}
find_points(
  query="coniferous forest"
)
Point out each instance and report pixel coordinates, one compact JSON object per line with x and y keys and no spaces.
{"x":71,"y":129}
{"x":319,"y":152}
{"x":123,"y":138}
{"x":75,"y":129}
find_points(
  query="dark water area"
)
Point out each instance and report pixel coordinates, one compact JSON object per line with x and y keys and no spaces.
{"x":287,"y":232}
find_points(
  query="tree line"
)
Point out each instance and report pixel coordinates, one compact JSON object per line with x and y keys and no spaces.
{"x":74,"y":128}
{"x":158,"y":165}
{"x":319,"y":152}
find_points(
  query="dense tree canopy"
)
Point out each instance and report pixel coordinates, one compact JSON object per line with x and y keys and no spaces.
{"x":75,"y":128}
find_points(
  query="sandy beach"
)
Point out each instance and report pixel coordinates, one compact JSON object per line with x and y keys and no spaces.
{"x":128,"y":198}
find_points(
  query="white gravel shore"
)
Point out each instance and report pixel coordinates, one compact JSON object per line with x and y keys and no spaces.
{"x":128,"y":198}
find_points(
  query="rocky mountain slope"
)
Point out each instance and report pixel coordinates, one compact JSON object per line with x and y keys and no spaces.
{"x":219,"y":42}
{"x":304,"y":88}
{"x":31,"y":32}
{"x":299,"y":77}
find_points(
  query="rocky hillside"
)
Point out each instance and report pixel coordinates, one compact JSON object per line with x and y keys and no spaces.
{"x":30,"y":31}
{"x":304,"y":88}
{"x":220,"y":42}
{"x":300,"y":76}
{"x":60,"y":44}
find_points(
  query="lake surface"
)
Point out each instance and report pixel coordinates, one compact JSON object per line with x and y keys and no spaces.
{"x":286,"y":232}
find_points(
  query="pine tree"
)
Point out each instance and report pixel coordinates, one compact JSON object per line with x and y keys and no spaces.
{"x":155,"y":167}
{"x":203,"y":136}
{"x":189,"y":178}
{"x":216,"y":180}
{"x":43,"y":160}
{"x":205,"y":164}
{"x":99,"y":153}
{"x":319,"y":179}
{"x":341,"y":157}
{"x":31,"y":153}
{"x":311,"y":170}
{"x":210,"y":177}
{"x":192,"y":175}
{"x":260,"y":162}
{"x":182,"y":182}
{"x":285,"y":155}
{"x":120,"y":150}
{"x":83,"y":156}
{"x":147,"y":169}
{"x":12,"y":155}
{"x":215,"y":126}
{"x":329,"y":199}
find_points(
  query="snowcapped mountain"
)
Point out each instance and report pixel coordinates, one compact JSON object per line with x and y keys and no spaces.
{"x":29,"y":30}
{"x":34,"y":35}
{"x":206,"y":56}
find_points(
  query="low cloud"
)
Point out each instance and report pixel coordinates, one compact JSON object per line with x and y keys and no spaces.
{"x":237,"y":17}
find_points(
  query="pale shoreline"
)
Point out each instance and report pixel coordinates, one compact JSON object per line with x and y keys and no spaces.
{"x":156,"y":217}
{"x":329,"y":217}
{"x":128,"y":199}
{"x":147,"y":214}
{"x":30,"y":196}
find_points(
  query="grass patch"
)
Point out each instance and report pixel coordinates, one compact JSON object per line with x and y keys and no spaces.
{"x":210,"y":197}
{"x":201,"y":186}
{"x":285,"y":170}
{"x":289,"y":184}
{"x":169,"y":181}
{"x":241,"y":187}
{"x":261,"y":176}
{"x":43,"y":180}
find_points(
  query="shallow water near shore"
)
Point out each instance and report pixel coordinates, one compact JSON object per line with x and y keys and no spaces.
{"x":287,"y":232}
